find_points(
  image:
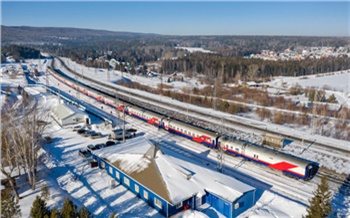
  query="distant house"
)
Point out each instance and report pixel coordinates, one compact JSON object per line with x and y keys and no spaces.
{"x":69,"y":115}
{"x":172,"y":185}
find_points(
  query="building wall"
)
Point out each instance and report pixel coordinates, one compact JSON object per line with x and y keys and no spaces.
{"x":74,"y":119}
{"x":221,"y":205}
{"x":244,"y":203}
{"x":230,"y":209}
{"x":140,"y":191}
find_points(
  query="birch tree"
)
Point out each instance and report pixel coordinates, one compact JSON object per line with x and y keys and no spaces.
{"x":8,"y":154}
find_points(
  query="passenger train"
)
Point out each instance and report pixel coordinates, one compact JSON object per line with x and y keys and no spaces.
{"x":288,"y":164}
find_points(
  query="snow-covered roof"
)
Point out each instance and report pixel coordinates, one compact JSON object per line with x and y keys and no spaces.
{"x":172,"y":179}
{"x":64,"y":110}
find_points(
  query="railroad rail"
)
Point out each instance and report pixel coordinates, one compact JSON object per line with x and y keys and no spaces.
{"x":161,"y":108}
{"x":338,"y":179}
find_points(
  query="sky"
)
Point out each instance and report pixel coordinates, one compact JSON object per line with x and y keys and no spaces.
{"x":186,"y":18}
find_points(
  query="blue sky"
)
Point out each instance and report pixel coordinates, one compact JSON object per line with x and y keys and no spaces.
{"x":186,"y":18}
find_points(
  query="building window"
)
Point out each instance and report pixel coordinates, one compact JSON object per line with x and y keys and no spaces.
{"x":136,"y":188}
{"x":110,"y":170}
{"x":145,"y":194}
{"x":117,"y":175}
{"x":158,"y":203}
{"x":179,"y":205}
{"x":103,"y":165}
{"x":126,"y":181}
{"x":236,"y":206}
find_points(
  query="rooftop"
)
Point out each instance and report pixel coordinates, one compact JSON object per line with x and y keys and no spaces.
{"x":171,"y":178}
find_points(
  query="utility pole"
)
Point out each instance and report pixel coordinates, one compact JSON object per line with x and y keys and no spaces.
{"x":214,"y":100}
{"x":123,"y":123}
{"x":40,"y":69}
{"x":220,"y":157}
{"x":77,"y":95}
{"x":117,"y":111}
{"x":47,"y":80}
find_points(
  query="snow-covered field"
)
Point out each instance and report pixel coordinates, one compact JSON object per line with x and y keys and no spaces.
{"x":194,"y":49}
{"x":67,"y":174}
{"x":336,"y":81}
{"x":321,"y":157}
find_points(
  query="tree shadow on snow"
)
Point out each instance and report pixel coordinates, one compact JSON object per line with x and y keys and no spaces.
{"x":340,"y":201}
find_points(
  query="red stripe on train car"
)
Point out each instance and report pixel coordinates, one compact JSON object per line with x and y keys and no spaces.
{"x":282,"y":166}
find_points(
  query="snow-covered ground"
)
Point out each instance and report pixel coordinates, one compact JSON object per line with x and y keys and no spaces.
{"x":67,"y":174}
{"x":337,"y":83}
{"x":322,"y":157}
{"x":194,"y":49}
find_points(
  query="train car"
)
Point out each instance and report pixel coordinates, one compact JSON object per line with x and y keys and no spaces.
{"x":290,"y":165}
{"x":196,"y":134}
{"x":147,"y":116}
{"x":114,"y":103}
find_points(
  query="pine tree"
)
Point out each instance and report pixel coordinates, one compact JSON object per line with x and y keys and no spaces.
{"x":55,"y":213}
{"x":9,"y":207}
{"x":69,"y":209}
{"x":45,"y":192}
{"x":39,"y":209}
{"x":84,"y":213}
{"x":320,"y":204}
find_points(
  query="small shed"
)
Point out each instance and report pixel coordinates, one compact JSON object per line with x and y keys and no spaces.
{"x":69,"y":115}
{"x":172,"y":185}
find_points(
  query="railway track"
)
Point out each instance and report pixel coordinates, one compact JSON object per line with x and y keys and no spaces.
{"x":279,"y":184}
{"x":160,"y":108}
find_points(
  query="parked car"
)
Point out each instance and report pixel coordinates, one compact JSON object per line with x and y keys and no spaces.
{"x":91,"y":148}
{"x":81,"y":131}
{"x":110,"y":143}
{"x":87,"y":133}
{"x":118,"y":134}
{"x":76,"y":128}
{"x":96,"y":135}
{"x":99,"y":146}
{"x":84,"y":153}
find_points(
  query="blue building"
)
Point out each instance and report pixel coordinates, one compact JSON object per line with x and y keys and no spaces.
{"x":171,"y":185}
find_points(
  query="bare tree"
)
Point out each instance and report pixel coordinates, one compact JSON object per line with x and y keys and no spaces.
{"x":28,"y":142}
{"x":21,"y":141}
{"x":8,"y":154}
